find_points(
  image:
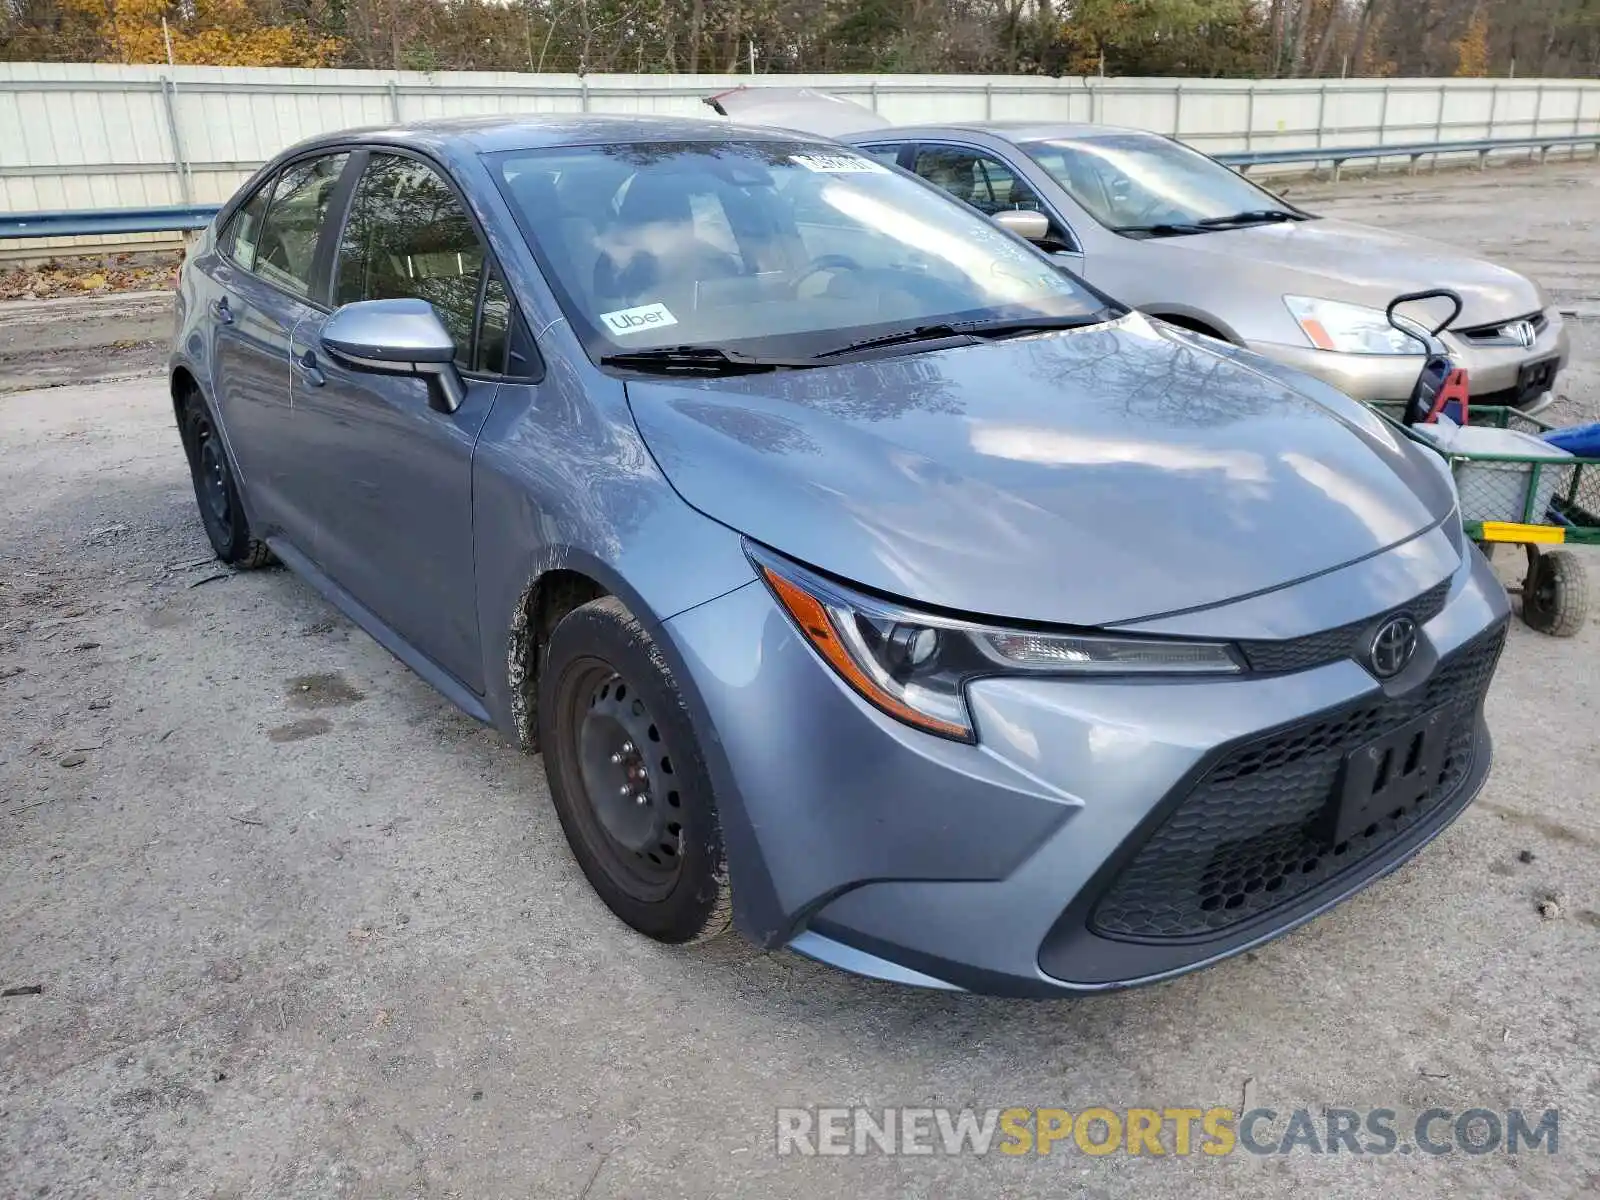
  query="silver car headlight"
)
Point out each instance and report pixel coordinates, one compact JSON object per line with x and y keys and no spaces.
{"x":915,"y":666}
{"x":1349,"y":328}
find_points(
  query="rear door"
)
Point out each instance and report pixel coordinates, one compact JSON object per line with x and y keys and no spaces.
{"x":391,"y":476}
{"x":261,"y":289}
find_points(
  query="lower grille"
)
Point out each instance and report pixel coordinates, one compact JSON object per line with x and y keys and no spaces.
{"x":1247,"y":838}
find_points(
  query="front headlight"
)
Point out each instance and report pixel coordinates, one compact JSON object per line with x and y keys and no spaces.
{"x":915,"y":666}
{"x":1350,"y":328}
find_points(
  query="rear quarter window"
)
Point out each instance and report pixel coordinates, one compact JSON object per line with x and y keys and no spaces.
{"x":243,"y":231}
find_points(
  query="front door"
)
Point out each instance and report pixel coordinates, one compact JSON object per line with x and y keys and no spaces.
{"x":388,"y":473}
{"x":990,"y":184}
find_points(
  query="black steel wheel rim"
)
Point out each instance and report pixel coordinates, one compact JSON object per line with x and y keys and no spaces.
{"x":211,"y":475}
{"x":624,"y":766}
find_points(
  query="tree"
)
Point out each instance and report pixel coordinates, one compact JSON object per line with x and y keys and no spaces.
{"x":1472,"y":48}
{"x":206,"y":32}
{"x":1249,"y":38}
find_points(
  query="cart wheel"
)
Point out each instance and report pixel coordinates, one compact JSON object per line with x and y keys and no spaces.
{"x":1555,"y":594}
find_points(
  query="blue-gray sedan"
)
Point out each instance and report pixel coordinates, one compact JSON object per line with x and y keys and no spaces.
{"x":868,"y":581}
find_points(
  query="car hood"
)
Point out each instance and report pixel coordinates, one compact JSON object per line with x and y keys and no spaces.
{"x":1087,"y":477}
{"x":1341,"y":260}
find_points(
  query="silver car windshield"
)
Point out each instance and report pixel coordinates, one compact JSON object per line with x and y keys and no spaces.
{"x":772,"y":247}
{"x":1142,"y":181}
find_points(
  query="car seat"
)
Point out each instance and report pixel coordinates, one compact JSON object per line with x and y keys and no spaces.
{"x":651,"y":249}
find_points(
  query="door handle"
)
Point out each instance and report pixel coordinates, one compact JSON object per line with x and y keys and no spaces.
{"x":221,"y":311}
{"x":309,"y":371}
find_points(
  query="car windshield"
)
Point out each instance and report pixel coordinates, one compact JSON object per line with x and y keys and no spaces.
{"x":767,"y":248}
{"x":1137,"y":182}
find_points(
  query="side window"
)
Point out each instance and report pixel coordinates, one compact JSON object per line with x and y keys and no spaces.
{"x":982,"y":180}
{"x":288,"y":242}
{"x":887,"y":155}
{"x":408,"y":236}
{"x":243,"y":233}
{"x":999,"y":187}
{"x":985,"y":182}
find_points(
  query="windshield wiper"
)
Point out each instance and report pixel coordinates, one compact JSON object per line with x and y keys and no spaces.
{"x":917,"y":333}
{"x":1256,"y":216}
{"x":699,"y":360}
{"x":1165,"y":229}
{"x":999,"y":327}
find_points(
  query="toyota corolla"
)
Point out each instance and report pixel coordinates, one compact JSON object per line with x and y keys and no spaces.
{"x":867,"y":581}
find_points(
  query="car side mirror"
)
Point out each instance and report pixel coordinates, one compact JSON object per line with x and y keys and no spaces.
{"x":1025,"y":223}
{"x":398,"y":337}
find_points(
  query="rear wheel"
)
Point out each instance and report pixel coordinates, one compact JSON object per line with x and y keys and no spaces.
{"x":215,"y":491}
{"x":1555,"y":593}
{"x":627,"y":777}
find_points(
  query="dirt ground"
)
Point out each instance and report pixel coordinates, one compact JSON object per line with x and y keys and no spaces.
{"x":298,"y":928}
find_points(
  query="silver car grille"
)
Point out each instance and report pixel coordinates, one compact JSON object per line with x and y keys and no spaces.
{"x":1520,"y":331}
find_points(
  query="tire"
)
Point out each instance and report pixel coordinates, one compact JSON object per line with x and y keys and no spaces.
{"x":628,"y":779}
{"x":215,"y":492}
{"x":1555,"y":594}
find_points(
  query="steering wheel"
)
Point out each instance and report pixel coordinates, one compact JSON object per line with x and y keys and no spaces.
{"x":826,"y":262}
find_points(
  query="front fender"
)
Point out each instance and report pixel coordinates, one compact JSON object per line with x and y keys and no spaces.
{"x":563,"y":482}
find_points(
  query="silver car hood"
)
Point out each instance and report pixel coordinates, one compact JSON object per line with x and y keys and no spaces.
{"x":1081,"y":478}
{"x":1341,"y":260}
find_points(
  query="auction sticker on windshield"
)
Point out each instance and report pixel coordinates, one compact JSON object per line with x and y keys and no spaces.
{"x":836,"y":164}
{"x":637,"y":320}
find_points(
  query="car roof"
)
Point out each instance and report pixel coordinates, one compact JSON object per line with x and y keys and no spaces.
{"x":528,"y":131}
{"x":1010,"y":131}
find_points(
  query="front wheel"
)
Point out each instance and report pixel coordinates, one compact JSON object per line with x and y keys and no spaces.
{"x":215,"y":491}
{"x":628,"y":780}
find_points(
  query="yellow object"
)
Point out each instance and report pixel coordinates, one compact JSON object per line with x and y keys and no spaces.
{"x":1510,"y":531}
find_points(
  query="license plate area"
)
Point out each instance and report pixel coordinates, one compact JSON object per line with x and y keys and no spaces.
{"x":1388,"y":775}
{"x":1536,"y":378}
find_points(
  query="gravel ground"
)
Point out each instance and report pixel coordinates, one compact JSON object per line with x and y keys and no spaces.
{"x":303,"y":930}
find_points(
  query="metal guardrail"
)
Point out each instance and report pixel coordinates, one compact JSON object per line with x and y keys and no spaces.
{"x":1415,"y":151}
{"x":91,"y":222}
{"x":94,"y":222}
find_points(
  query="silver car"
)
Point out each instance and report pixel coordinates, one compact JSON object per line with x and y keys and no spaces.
{"x":1178,"y":235}
{"x":862,"y":580}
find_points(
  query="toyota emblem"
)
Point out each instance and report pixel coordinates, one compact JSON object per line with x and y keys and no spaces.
{"x":1392,"y":646}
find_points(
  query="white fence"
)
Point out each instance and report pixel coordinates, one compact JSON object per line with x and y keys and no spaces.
{"x":76,"y":136}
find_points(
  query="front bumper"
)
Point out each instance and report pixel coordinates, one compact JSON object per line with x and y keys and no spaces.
{"x":864,"y":843}
{"x":1492,"y":371}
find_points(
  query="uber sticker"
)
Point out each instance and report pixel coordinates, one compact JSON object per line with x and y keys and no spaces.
{"x":636,"y":320}
{"x":837,"y":164}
